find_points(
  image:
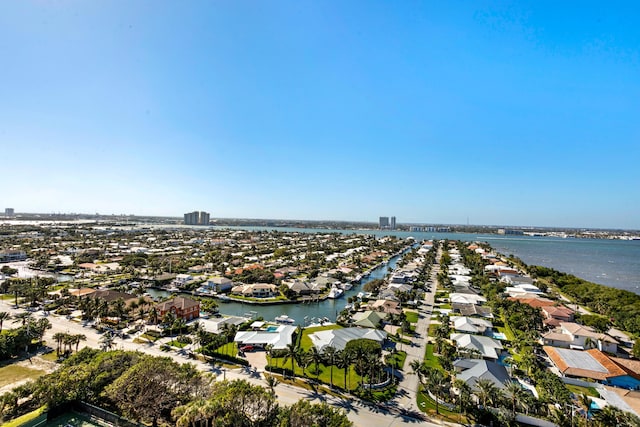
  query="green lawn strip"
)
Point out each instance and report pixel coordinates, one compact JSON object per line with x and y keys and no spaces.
{"x":176,"y":343}
{"x":324,"y":374}
{"x":430,"y":359}
{"x":412,"y":316}
{"x":230,"y":349}
{"x":13,"y":373}
{"x":398,"y":359}
{"x":578,"y":390}
{"x":23,"y":419}
{"x":426,"y":404}
{"x":507,"y":331}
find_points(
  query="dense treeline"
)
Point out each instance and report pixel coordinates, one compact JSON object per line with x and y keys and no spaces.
{"x":622,"y":307}
{"x":159,"y":391}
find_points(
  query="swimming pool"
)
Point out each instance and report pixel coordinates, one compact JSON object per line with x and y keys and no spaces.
{"x":271,"y":328}
{"x":499,"y":336}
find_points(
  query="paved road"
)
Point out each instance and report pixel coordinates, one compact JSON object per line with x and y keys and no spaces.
{"x":361,"y":414}
{"x":409,"y":381}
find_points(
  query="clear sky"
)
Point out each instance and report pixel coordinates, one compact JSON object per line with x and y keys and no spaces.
{"x":510,"y":113}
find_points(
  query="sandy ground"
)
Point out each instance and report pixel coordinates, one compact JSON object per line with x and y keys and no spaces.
{"x":36,"y":363}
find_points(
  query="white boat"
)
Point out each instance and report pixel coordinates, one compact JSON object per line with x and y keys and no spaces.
{"x":335,"y":292}
{"x":285,"y":319}
{"x":346,"y":286}
{"x":224,"y":298}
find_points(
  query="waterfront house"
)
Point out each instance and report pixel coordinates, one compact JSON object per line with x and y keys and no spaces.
{"x":574,"y":336}
{"x":595,"y":365}
{"x":369,"y":319}
{"x":279,"y":338}
{"x":219,"y":284}
{"x":182,"y":280}
{"x":385,"y":306}
{"x":256,"y":290}
{"x":338,"y":338}
{"x":184,"y":308}
{"x":487,"y":347}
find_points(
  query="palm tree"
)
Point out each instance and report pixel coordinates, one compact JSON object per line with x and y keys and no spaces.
{"x":153,"y":315}
{"x":418,"y":369}
{"x":59,"y":338}
{"x":272,"y":382}
{"x":291,"y":352}
{"x":77,"y":338}
{"x":515,"y":393}
{"x":315,"y":357}
{"x":3,"y":316}
{"x":329,"y":354}
{"x":106,"y":342}
{"x":343,"y":362}
{"x":435,"y":382}
{"x":485,"y":391}
{"x":22,"y":317}
{"x":463,"y":393}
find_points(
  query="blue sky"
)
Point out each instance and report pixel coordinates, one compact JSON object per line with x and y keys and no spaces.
{"x":510,"y":113}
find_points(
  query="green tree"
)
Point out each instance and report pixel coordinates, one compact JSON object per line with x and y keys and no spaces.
{"x":305,"y":414}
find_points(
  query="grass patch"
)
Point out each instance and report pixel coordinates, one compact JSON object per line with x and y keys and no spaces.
{"x":13,"y":373}
{"x":149,"y":338}
{"x":430,"y":359}
{"x":50,"y":357}
{"x":427,"y":405}
{"x":23,"y":419}
{"x":507,"y":331}
{"x":176,"y":343}
{"x":412,"y":316}
{"x":230,"y":349}
{"x":323,"y":374}
{"x":397,"y":359}
{"x":578,"y":390}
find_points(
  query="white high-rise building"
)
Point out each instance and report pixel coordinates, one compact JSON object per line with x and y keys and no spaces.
{"x":393,"y":223}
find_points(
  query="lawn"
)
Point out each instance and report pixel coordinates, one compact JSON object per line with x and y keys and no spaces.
{"x":426,"y":404}
{"x":176,"y":343}
{"x":412,"y":316}
{"x":577,"y":390}
{"x":324,"y":374}
{"x":24,"y":419}
{"x":398,"y":359}
{"x":230,"y":349}
{"x":430,"y":359}
{"x":13,"y":373}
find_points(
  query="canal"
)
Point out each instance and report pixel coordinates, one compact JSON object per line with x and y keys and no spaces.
{"x":302,"y":313}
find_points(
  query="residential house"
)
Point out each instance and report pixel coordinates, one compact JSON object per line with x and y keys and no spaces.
{"x":369,"y":319}
{"x":595,"y":365}
{"x":338,"y":338}
{"x":385,"y":306}
{"x":472,"y":370}
{"x":574,"y":336}
{"x":219,"y":284}
{"x":471,"y":325}
{"x":184,"y":308}
{"x":487,"y":347}
{"x":256,"y":290}
{"x":471,"y":310}
{"x":554,"y":315}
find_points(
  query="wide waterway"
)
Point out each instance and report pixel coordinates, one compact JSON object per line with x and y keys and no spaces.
{"x":302,"y":313}
{"x":614,"y":263}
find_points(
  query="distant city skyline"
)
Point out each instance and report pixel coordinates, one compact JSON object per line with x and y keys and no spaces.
{"x":509,"y":114}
